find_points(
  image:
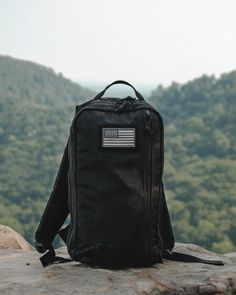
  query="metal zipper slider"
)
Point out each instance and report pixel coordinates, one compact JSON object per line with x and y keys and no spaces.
{"x":124,"y":102}
{"x":147,"y":118}
{"x":130,"y":100}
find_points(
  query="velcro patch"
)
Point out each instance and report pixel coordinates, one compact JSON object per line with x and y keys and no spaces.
{"x":118,"y":137}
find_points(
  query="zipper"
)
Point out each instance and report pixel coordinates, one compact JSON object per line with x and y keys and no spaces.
{"x":72,"y":184}
{"x":148,"y":166}
{"x":160,"y":181}
{"x":119,"y":104}
{"x":69,"y":205}
{"x":155,"y":237}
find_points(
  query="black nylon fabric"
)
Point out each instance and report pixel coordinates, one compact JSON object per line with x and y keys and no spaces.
{"x":115,"y":194}
{"x":57,"y":208}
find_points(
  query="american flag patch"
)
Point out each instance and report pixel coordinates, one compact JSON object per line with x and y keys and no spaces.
{"x":118,"y":137}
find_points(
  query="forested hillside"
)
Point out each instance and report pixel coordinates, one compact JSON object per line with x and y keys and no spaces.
{"x":200,"y":159}
{"x":36,"y":108}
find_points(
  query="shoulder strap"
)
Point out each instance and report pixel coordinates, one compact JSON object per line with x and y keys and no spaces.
{"x":50,"y":256}
{"x":175,"y":256}
{"x":56,"y":210}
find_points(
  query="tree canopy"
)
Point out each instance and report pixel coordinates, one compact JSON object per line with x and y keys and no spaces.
{"x":200,"y":159}
{"x":36,"y":109}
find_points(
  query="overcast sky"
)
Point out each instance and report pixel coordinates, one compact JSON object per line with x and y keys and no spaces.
{"x":144,"y":41}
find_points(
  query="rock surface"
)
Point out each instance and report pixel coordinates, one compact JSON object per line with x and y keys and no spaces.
{"x":10,"y":239}
{"x":21,"y":273}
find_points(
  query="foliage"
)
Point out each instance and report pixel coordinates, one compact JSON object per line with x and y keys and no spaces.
{"x":37,"y":106}
{"x":200,"y":159}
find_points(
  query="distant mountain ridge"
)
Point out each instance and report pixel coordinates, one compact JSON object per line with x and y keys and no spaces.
{"x":36,"y":108}
{"x":37,"y":84}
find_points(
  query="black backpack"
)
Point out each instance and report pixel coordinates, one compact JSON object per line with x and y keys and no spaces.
{"x":110,"y":183}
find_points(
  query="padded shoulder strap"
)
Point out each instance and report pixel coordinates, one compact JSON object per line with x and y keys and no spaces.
{"x":56,"y":210}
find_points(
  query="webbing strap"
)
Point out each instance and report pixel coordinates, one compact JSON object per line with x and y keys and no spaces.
{"x":63,"y":233}
{"x":100,"y":94}
{"x":175,"y":256}
{"x":57,"y":208}
{"x":50,"y":258}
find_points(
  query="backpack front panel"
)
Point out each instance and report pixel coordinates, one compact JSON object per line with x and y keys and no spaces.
{"x":112,"y":215}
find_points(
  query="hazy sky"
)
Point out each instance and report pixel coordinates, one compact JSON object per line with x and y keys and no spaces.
{"x":143,"y":41}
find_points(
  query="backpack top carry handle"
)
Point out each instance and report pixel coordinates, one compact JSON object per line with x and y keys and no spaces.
{"x":100,"y":94}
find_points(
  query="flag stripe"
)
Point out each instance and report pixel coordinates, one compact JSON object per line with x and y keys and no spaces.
{"x":118,"y":137}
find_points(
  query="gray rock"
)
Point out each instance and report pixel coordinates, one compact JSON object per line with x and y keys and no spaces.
{"x":21,"y":273}
{"x":231,"y":255}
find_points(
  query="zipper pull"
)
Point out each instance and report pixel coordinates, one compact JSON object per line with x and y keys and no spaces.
{"x":148,"y":122}
{"x":126,"y":100}
{"x":121,"y":103}
{"x":130,"y":100}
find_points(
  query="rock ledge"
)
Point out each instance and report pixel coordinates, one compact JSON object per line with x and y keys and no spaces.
{"x":21,"y":273}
